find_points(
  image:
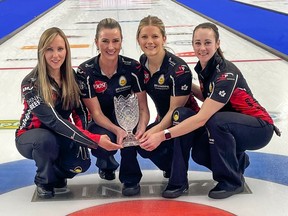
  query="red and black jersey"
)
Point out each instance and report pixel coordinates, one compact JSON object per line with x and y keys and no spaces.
{"x":174,"y":78}
{"x":38,"y":114}
{"x":222,"y":81}
{"x":128,"y":78}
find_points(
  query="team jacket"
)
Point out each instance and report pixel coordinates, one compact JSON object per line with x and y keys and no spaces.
{"x":128,"y":78}
{"x":222,"y":81}
{"x":174,"y":78}
{"x":37,"y":114}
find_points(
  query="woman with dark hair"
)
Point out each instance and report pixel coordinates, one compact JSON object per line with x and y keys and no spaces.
{"x":102,"y":78}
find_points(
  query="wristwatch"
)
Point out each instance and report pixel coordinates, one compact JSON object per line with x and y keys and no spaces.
{"x":167,"y":134}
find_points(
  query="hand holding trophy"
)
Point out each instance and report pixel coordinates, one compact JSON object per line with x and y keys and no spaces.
{"x":127,"y":115}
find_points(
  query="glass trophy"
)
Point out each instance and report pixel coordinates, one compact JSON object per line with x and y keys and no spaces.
{"x":127,"y":115}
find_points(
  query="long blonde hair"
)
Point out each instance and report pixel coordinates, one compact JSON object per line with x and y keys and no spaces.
{"x":70,"y":89}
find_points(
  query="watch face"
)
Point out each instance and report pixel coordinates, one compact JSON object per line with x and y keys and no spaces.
{"x":167,"y":134}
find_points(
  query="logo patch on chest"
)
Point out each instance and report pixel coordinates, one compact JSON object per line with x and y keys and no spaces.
{"x":161,"y":80}
{"x":122,"y":81}
{"x":100,"y":86}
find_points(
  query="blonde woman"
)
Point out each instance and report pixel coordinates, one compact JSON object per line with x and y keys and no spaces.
{"x":168,"y":81}
{"x":46,"y":135}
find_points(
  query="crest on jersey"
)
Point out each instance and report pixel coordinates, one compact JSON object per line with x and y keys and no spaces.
{"x":161,"y":80}
{"x":176,"y":116}
{"x":122,"y":81}
{"x":210,"y":87}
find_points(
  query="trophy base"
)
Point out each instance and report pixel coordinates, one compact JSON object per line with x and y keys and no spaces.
{"x":129,"y":144}
{"x":130,"y":141}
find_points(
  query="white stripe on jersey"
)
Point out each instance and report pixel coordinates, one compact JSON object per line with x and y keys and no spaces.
{"x":67,"y":126}
{"x":137,"y":81}
{"x":173,"y":86}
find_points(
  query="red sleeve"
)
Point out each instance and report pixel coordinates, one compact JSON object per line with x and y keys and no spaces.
{"x":92,"y":136}
{"x":192,"y":103}
{"x":78,"y":123}
{"x":77,"y":120}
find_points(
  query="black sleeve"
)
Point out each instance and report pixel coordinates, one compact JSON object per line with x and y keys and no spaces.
{"x":51,"y":119}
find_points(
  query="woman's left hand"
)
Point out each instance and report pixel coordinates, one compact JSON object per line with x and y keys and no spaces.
{"x":151,"y":141}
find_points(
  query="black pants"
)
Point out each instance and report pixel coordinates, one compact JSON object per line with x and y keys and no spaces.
{"x":222,"y":149}
{"x":130,"y":171}
{"x":56,"y":157}
{"x":182,"y":148}
{"x":161,"y":156}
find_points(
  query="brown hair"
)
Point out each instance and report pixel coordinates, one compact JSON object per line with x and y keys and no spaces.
{"x":151,"y":21}
{"x":208,"y":25}
{"x":107,"y":23}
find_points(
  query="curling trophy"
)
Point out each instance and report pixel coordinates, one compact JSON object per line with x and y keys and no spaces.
{"x":127,"y":115}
